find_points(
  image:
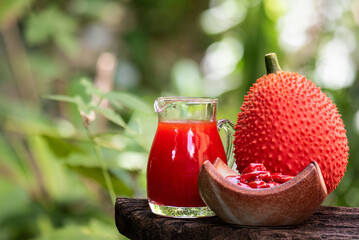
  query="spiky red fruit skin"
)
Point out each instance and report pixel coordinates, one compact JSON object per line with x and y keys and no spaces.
{"x":286,"y":122}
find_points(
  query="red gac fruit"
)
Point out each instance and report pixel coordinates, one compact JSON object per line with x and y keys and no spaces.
{"x":264,"y":175}
{"x":253,"y":167}
{"x":257,"y":184}
{"x":280,"y":178}
{"x":287,"y":122}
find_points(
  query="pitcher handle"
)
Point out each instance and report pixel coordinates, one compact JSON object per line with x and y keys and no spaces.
{"x":229,"y":130}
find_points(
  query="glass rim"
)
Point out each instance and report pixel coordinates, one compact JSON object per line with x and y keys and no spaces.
{"x":188,"y":99}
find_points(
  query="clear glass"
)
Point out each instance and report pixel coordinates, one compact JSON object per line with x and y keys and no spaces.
{"x":187,"y":135}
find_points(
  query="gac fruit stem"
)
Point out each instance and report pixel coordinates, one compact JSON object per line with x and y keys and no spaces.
{"x":272,"y":64}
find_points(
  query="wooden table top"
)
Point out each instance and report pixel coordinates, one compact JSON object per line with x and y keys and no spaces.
{"x":135,"y":220}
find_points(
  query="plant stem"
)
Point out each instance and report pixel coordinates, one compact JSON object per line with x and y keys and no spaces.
{"x":25,"y":83}
{"x":102,"y":162}
{"x":272,"y":64}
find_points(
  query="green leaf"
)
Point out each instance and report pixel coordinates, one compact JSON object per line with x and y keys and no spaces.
{"x":12,"y":161}
{"x":128,"y":100}
{"x":52,"y":24}
{"x":77,"y":89}
{"x":121,"y":187}
{"x":84,"y":108}
{"x":88,"y":165}
{"x":112,"y":141}
{"x":68,"y":43}
{"x":54,"y":175}
{"x":87,"y":158}
{"x":64,"y":98}
{"x":104,"y":229}
{"x":13,"y":199}
{"x":37,"y":30}
{"x":17,"y":211}
{"x":90,"y":88}
{"x":60,"y":147}
{"x":111,"y":115}
{"x":25,"y":118}
{"x":117,"y":142}
{"x":94,"y":9}
{"x":94,"y":230}
{"x":82,"y":160}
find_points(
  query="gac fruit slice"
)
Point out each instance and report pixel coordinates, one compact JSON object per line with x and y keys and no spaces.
{"x":289,"y":203}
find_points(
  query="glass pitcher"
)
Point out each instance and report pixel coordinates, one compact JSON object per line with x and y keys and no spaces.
{"x":187,"y":135}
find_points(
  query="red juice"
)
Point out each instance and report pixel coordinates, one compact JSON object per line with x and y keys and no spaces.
{"x":178,"y":151}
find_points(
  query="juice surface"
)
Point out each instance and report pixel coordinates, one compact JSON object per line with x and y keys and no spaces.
{"x":178,"y":151}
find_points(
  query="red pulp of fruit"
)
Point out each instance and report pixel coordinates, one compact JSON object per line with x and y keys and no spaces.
{"x":257,"y":176}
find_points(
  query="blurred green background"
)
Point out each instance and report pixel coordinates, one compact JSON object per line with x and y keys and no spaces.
{"x":78,"y":79}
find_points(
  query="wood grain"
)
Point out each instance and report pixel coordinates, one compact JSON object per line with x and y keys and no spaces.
{"x":135,"y":220}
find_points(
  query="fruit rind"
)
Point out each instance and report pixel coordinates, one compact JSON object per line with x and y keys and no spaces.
{"x":286,"y":122}
{"x":286,"y":204}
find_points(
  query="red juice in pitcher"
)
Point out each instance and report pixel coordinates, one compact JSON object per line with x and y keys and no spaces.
{"x":178,"y":151}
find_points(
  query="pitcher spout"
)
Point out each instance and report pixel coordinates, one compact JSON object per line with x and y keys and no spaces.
{"x":157,"y":107}
{"x":161,"y":105}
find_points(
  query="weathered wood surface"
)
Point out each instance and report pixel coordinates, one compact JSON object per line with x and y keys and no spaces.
{"x":135,"y":220}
